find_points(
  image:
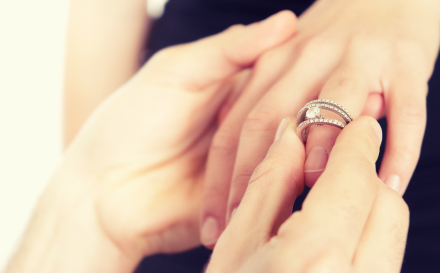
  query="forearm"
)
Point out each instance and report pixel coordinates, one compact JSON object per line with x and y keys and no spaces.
{"x":104,"y":44}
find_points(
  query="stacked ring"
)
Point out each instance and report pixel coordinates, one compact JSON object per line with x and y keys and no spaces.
{"x":311,"y":114}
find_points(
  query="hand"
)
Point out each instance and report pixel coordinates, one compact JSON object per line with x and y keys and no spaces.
{"x":372,"y":57}
{"x":130,"y":182}
{"x":350,"y":221}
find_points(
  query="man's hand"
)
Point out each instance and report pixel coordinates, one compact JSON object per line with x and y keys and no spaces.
{"x":350,"y":222}
{"x":130,"y":182}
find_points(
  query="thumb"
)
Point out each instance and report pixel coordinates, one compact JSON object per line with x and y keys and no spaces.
{"x":215,"y":58}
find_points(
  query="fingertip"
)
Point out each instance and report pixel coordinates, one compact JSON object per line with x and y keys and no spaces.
{"x":290,"y":133}
{"x":285,"y":20}
{"x":374,"y":125}
{"x":245,"y":44}
{"x":281,"y":128}
{"x":361,"y":137}
{"x":210,"y":232}
{"x":393,"y":181}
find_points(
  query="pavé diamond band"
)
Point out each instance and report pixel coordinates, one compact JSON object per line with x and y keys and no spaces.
{"x":311,"y":114}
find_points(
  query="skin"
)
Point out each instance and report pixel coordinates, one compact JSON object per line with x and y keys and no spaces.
{"x":130,"y":183}
{"x":98,"y":61}
{"x":350,"y":222}
{"x":373,"y":57}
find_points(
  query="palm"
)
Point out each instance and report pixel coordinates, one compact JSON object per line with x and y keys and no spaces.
{"x":151,"y":193}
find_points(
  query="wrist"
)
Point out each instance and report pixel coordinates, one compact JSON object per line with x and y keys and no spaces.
{"x":64,"y":235}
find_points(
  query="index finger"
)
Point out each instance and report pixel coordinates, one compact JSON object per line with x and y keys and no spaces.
{"x":337,"y":208}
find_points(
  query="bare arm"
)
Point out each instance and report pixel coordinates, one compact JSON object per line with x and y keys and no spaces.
{"x":104,"y":43}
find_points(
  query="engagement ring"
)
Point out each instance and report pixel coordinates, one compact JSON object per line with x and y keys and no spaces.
{"x":311,"y":114}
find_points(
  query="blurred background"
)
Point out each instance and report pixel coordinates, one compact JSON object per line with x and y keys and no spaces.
{"x":32,"y":43}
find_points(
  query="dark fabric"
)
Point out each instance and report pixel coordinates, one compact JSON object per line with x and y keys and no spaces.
{"x":186,"y":21}
{"x":190,"y":20}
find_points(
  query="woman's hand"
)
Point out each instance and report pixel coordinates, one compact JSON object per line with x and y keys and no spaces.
{"x":373,"y":57}
{"x":350,"y":222}
{"x":130,"y":182}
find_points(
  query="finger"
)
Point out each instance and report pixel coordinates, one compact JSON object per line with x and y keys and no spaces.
{"x":375,"y":106}
{"x":406,"y":116}
{"x":383,"y":241}
{"x":336,"y":209}
{"x":222,"y":152}
{"x":269,"y":198}
{"x":285,"y":98}
{"x":272,"y":189}
{"x":349,"y":86}
{"x":216,"y":58}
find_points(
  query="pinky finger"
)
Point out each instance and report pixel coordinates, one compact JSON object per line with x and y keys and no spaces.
{"x":406,"y":116}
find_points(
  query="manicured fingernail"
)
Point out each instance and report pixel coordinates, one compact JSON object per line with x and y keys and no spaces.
{"x":210,"y":231}
{"x":377,"y":129}
{"x":232,"y":214}
{"x":281,"y":128}
{"x":393,"y":182}
{"x":316,"y":160}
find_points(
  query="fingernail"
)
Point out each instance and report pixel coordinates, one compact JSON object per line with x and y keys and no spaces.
{"x":377,"y":129}
{"x":281,"y":128}
{"x":210,"y":230}
{"x":232,"y":214}
{"x":316,"y":159}
{"x":393,"y":182}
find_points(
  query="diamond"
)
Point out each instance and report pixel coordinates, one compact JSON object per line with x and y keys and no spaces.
{"x":313,"y":112}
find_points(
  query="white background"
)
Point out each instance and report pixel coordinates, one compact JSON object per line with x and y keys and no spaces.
{"x":32,"y":41}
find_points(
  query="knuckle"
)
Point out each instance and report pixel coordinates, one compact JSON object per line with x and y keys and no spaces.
{"x":362,"y":167}
{"x":329,"y":260}
{"x":363,"y":143}
{"x":235,"y":28}
{"x":399,"y":205}
{"x":244,"y":174}
{"x":170,"y":53}
{"x":364,"y":41}
{"x":343,"y":85}
{"x":261,"y":120}
{"x":406,"y":153}
{"x":408,"y":49}
{"x":312,"y":46}
{"x":411,"y":112}
{"x":230,"y":36}
{"x":224,"y":141}
{"x":409,"y":53}
{"x":266,"y":172}
{"x":163,"y":56}
{"x":213,"y":192}
{"x":273,"y":63}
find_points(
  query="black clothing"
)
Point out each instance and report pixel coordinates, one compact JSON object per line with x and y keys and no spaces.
{"x":186,"y":21}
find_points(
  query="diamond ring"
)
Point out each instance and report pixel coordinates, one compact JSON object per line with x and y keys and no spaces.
{"x":311,"y":114}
